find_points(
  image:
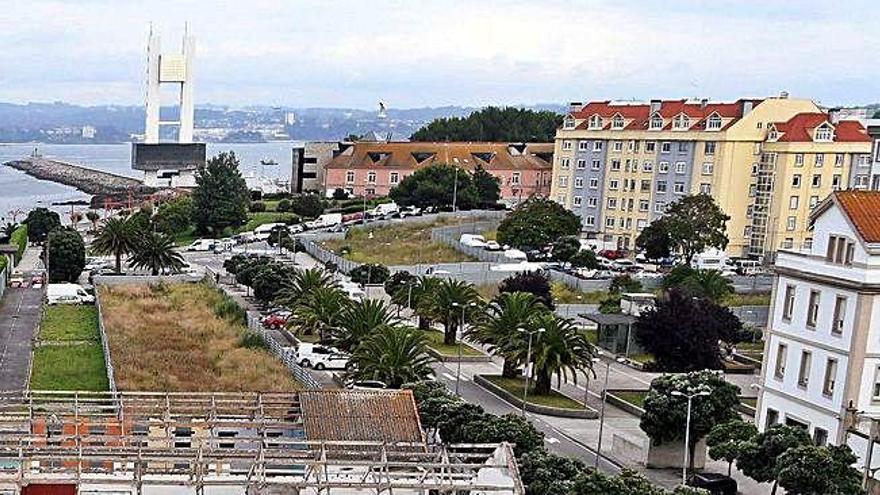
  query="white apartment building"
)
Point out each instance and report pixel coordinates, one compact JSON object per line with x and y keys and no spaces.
{"x":822,"y":352}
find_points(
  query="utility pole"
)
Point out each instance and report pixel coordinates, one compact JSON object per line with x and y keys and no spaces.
{"x":455,"y":190}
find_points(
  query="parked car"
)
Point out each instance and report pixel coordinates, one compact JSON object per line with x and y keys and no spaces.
{"x":267,"y":230}
{"x":68,"y":294}
{"x":201,"y":245}
{"x":307,"y":353}
{"x":409,"y":211}
{"x":17,"y":280}
{"x":492,"y":246}
{"x":335,"y":361}
{"x":515,"y":255}
{"x":714,"y":483}
{"x":276,"y":320}
{"x":612,"y":254}
{"x":367,"y":385}
{"x":472,"y":240}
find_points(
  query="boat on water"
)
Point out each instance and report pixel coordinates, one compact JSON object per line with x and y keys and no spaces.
{"x":268,"y":162}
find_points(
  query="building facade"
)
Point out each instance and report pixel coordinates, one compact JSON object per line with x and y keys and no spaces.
{"x":374,"y":168}
{"x":308,"y":163}
{"x":822,"y":354}
{"x":619,"y":165}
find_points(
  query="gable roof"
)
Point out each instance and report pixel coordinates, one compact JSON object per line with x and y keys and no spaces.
{"x":640,"y":113}
{"x":381,"y":416}
{"x":800,"y":129}
{"x":412,"y":155}
{"x":863,"y":210}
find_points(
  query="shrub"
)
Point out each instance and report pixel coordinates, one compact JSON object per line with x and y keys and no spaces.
{"x":227,"y":308}
{"x":339,"y":194}
{"x":252,"y":340}
{"x":20,"y":239}
{"x":283,"y":205}
{"x":370,"y":274}
{"x":258,"y":206}
{"x":308,"y":205}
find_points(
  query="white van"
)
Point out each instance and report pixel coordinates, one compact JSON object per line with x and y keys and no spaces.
{"x":712,"y":259}
{"x":68,"y":294}
{"x":515,"y":255}
{"x":384,"y":209}
{"x":472,"y":240}
{"x":264,"y":232}
{"x":325,"y":220}
{"x":202,"y":245}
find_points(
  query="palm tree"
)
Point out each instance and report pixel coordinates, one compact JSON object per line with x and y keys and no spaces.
{"x":507,"y":313}
{"x":117,"y":237}
{"x":303,"y":283}
{"x":93,"y":217}
{"x":7,"y":230}
{"x":319,"y":311}
{"x":394,"y":355}
{"x":420,"y":297}
{"x":709,"y":284}
{"x":438,"y":305}
{"x":561,"y":348}
{"x":361,"y":319}
{"x":156,"y":253}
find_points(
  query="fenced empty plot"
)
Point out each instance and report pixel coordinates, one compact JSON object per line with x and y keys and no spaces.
{"x":69,"y":354}
{"x":182,"y":337}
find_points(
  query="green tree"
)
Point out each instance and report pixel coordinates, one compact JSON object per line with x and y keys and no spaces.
{"x":445,"y":305}
{"x":535,"y":283}
{"x":759,"y":459}
{"x":508,"y":124}
{"x":510,"y":428}
{"x":628,"y":482}
{"x":565,"y":249}
{"x":268,"y":280}
{"x":585,"y":258}
{"x":359,"y":320}
{"x":488,"y":187}
{"x":307,"y":205}
{"x":706,"y":284}
{"x":665,"y":413}
{"x":6,"y":231}
{"x":694,"y":224}
{"x":726,"y":440}
{"x":507,"y":313}
{"x":544,"y":473}
{"x":220,"y":198}
{"x":812,"y":470}
{"x":398,"y":286}
{"x":67,"y":254}
{"x":623,"y":284}
{"x":421,"y":300}
{"x":370,"y":273}
{"x":561,"y":349}
{"x":537,"y":223}
{"x":93,"y":218}
{"x":174,"y":216}
{"x":40,"y":222}
{"x":394,"y":355}
{"x":298,"y":287}
{"x":117,"y":237}
{"x":318,"y":314}
{"x":683,"y":333}
{"x":155,"y":252}
{"x":654,"y":240}
{"x":437,"y":185}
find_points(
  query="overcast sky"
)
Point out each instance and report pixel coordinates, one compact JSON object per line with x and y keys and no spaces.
{"x":445,"y":52}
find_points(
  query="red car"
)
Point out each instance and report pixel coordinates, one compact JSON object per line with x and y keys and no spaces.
{"x":611,"y":254}
{"x":276,"y":320}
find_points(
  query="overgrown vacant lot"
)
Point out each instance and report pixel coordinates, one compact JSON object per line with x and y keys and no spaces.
{"x":398,"y":244}
{"x":170,"y":338}
{"x":69,"y":356}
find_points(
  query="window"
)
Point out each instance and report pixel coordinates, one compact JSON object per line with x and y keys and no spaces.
{"x":394,"y":178}
{"x":796,"y":180}
{"x":779,"y":371}
{"x":705,"y":188}
{"x":824,"y":133}
{"x":565,"y":163}
{"x":813,"y":308}
{"x":609,"y":222}
{"x":754,"y":169}
{"x":661,"y":186}
{"x":618,"y":146}
{"x":772,"y":417}
{"x":861,"y":182}
{"x":648,"y":166}
{"x":709,"y":147}
{"x":349,"y":177}
{"x":583,"y":145}
{"x":791,"y":223}
{"x":820,"y":436}
{"x":659,"y":207}
{"x":656,"y":122}
{"x":617,"y":122}
{"x":597,"y":146}
{"x":680,"y":167}
{"x":650,"y":146}
{"x":371,"y":177}
{"x":577,"y":201}
{"x":835,"y":181}
{"x":644,"y":204}
{"x":681,"y":122}
{"x":799,"y":160}
{"x":614,"y":184}
{"x":568,"y":123}
{"x":595,"y":122}
{"x":591,"y":221}
{"x":514,"y":179}
{"x":804,"y":369}
{"x":820,"y":160}
{"x":560,"y":198}
{"x":566,"y":145}
{"x":578,"y":182}
{"x":839,"y":315}
{"x":646,"y":185}
{"x":682,"y":147}
{"x":629,"y":165}
{"x":788,"y":304}
{"x":838,"y":160}
{"x":714,"y":123}
{"x":581,"y":164}
{"x":615,"y":165}
{"x":663,"y":167}
{"x":752,"y":190}
{"x":814,"y":200}
{"x":840,"y":250}
{"x":596,"y":165}
{"x":788,"y":243}
{"x":370,"y":191}
{"x":592,"y":202}
{"x":666,"y":147}
{"x":594,"y":183}
{"x":876,"y":394}
{"x":830,"y":376}
{"x":678,"y":188}
{"x":612,"y":203}
{"x":641,"y":224}
{"x":563,"y":181}
{"x":817,"y":180}
{"x":708,"y":167}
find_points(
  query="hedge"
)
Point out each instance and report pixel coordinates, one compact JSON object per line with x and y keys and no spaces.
{"x":19,"y":238}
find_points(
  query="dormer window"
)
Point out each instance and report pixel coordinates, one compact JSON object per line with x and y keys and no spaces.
{"x":824,"y":133}
{"x":617,"y":122}
{"x":714,"y":122}
{"x":595,"y":122}
{"x":681,"y":122}
{"x":568,"y":123}
{"x":656,"y":122}
{"x":772,"y":133}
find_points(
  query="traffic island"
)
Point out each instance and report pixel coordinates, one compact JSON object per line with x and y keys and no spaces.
{"x":553,"y":404}
{"x":450,"y":353}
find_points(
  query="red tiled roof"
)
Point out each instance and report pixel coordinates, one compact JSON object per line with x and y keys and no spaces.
{"x":863,"y":210}
{"x":640,"y":113}
{"x":386,"y":416}
{"x":410,"y":155}
{"x":800,"y":129}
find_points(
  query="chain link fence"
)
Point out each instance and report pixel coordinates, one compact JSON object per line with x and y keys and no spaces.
{"x":286,"y":355}
{"x":105,"y":345}
{"x":325,"y":256}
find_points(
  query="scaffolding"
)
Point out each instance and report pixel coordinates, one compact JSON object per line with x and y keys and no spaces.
{"x":123,"y":442}
{"x":762,"y":205}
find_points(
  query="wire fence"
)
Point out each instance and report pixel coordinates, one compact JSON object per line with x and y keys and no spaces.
{"x":325,"y":256}
{"x":286,"y":355}
{"x":451,"y":236}
{"x":105,"y":345}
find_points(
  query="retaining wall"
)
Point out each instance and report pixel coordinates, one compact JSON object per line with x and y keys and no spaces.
{"x":588,"y":413}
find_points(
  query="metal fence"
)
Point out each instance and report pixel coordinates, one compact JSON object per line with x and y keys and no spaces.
{"x":452,"y":235}
{"x":287,"y":356}
{"x":325,"y":256}
{"x":108,"y":360}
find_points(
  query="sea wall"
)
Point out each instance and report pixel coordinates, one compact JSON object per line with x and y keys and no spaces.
{"x":85,"y":179}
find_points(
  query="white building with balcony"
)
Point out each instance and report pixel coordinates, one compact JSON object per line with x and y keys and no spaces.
{"x":822,"y":352}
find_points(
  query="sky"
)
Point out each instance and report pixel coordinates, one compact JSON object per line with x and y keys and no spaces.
{"x":327,"y":53}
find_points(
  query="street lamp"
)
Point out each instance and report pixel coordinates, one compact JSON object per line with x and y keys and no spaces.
{"x":602,"y":411}
{"x":687,"y":429}
{"x":461,"y":332}
{"x":528,"y":370}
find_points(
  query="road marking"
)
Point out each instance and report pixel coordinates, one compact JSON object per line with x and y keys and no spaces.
{"x":449,"y":377}
{"x":551,"y":440}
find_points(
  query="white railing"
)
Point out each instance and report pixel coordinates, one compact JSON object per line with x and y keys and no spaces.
{"x":287,"y":356}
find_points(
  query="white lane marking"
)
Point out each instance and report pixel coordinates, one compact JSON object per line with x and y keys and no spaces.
{"x":551,"y":440}
{"x":449,"y":377}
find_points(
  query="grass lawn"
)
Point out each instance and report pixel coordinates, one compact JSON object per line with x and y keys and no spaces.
{"x":69,"y":322}
{"x":491,"y":235}
{"x":751,"y":349}
{"x":563,"y":294}
{"x":435,"y":341}
{"x":69,"y":367}
{"x":757,"y":299}
{"x":642,"y":358}
{"x":515,"y":387}
{"x":592,"y":335}
{"x":168,"y":338}
{"x":634,"y":397}
{"x":397,"y":244}
{"x":264,"y":217}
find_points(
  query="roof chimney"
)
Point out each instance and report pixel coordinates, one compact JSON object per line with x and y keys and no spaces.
{"x":747,"y":106}
{"x":655,"y":106}
{"x":703,"y":103}
{"x":783,"y":95}
{"x":575,"y":106}
{"x":834,"y":115}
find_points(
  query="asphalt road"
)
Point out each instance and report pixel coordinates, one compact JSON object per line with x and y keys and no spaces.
{"x":19,"y":318}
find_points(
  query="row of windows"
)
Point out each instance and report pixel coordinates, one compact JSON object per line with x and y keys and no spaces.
{"x":678,"y":187}
{"x":630,"y":165}
{"x":393,"y":177}
{"x":634,"y":146}
{"x":838,"y":320}
{"x":625,"y":204}
{"x":625,"y":223}
{"x":819,"y":160}
{"x":816,"y":180}
{"x":680,"y":122}
{"x":830,"y":375}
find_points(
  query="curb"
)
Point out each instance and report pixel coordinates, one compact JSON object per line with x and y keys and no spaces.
{"x":481,"y":381}
{"x":445,"y":358}
{"x":622,"y":404}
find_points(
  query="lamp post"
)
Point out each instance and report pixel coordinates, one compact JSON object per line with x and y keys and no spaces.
{"x":455,"y":190}
{"x":460,"y":334}
{"x":528,"y":370}
{"x":687,"y":430}
{"x":602,"y":412}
